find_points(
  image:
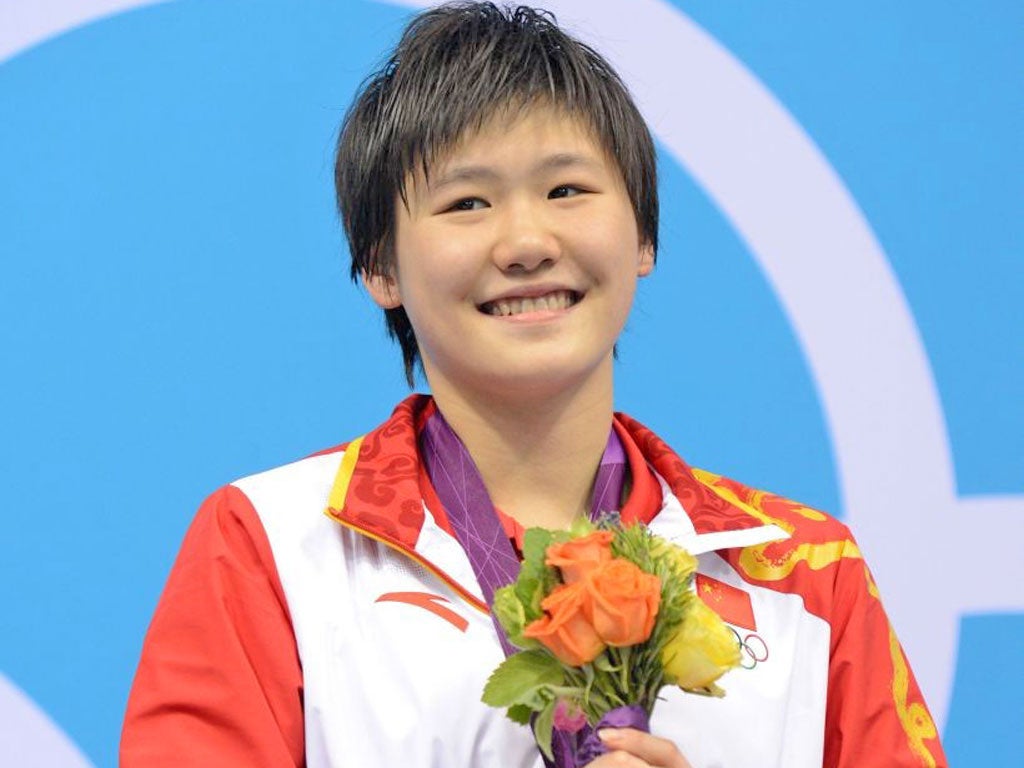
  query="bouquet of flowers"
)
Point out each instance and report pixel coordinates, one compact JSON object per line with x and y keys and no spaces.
{"x":605,"y":618}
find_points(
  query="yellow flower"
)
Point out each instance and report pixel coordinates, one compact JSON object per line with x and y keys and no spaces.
{"x":682,"y":563}
{"x":702,"y":649}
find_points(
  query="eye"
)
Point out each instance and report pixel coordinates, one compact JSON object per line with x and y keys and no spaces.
{"x":564,"y":190}
{"x":467,"y":204}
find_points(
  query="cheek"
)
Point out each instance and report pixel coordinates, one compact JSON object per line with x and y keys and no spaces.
{"x":442,"y":264}
{"x":624,"y":299}
{"x":435,"y":293}
{"x":623,"y":287}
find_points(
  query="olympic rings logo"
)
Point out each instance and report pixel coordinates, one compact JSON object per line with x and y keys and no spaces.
{"x":753,"y":649}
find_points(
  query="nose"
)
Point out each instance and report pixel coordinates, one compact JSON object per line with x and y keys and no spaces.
{"x":526,"y":241}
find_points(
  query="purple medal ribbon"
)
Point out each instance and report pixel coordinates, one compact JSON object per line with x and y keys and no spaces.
{"x":477,"y":528}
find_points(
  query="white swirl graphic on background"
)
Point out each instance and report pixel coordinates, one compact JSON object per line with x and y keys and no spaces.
{"x":24,"y":24}
{"x":28,"y":738}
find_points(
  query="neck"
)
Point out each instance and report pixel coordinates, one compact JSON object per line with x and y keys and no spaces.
{"x":537,"y":457}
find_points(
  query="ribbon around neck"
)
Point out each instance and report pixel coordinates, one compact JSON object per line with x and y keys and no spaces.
{"x":471,"y":512}
{"x":476,"y":526}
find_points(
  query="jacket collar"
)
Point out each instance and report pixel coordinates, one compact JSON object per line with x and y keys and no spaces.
{"x":382,"y":491}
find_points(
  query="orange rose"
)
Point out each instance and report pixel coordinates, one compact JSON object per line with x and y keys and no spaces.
{"x":578,"y":557}
{"x":564,"y":629}
{"x":623,"y":602}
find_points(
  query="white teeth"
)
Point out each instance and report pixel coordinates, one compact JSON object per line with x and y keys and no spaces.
{"x":551,"y":301}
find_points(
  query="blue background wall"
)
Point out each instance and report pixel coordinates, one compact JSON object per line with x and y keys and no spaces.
{"x":175,"y":311}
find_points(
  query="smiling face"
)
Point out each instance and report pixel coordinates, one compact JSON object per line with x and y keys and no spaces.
{"x":517,"y":260}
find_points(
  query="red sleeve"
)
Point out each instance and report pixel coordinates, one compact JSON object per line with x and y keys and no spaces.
{"x":876,"y":716}
{"x":219,"y":682}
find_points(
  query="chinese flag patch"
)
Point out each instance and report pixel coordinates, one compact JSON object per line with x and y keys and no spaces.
{"x":732,"y":604}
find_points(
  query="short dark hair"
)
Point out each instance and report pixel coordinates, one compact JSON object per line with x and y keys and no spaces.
{"x":454,"y":67}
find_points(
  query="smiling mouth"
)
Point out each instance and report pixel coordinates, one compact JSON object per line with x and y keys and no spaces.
{"x":553,"y":301}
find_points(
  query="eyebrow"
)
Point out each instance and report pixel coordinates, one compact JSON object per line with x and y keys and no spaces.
{"x":561,"y":160}
{"x":470,"y":173}
{"x":460,"y":173}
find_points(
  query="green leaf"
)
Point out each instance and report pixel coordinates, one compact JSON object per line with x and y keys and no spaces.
{"x":520,"y":679}
{"x":535,"y":545}
{"x":509,"y":610}
{"x":519,"y":713}
{"x":542,"y":728}
{"x":580,"y":527}
{"x":533,"y":587}
{"x":536,"y":579}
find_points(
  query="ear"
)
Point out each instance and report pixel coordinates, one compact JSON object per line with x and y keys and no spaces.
{"x":645,"y":262}
{"x":383,"y":289}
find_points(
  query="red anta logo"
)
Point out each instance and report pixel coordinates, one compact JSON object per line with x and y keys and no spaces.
{"x":436,"y":604}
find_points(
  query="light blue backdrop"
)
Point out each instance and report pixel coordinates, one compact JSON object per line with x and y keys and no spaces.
{"x":175,"y":311}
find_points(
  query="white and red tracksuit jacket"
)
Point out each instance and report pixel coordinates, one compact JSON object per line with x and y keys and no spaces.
{"x":290,"y":637}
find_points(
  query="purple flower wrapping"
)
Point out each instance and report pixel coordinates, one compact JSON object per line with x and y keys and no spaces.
{"x":575,"y":750}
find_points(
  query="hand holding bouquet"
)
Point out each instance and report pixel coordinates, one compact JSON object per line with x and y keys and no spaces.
{"x":605,"y":618}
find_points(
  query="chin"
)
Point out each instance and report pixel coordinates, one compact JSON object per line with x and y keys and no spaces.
{"x":547,"y":379}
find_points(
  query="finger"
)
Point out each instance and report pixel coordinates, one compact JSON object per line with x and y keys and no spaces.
{"x":619,"y":759}
{"x":649,"y":748}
